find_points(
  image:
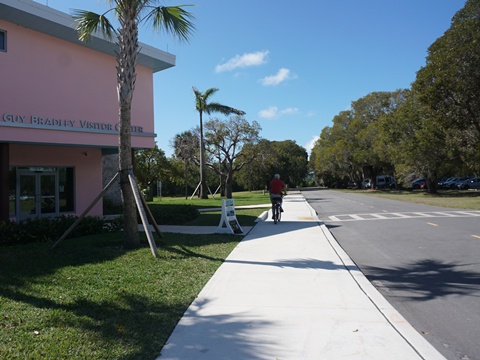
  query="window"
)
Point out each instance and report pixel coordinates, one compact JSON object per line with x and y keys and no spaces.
{"x":12,"y":192}
{"x":66,"y":189}
{"x":3,"y":40}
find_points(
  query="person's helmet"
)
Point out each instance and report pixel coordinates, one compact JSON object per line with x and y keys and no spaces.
{"x":277,"y":176}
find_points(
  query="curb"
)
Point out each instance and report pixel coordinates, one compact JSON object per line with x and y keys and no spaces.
{"x":262,"y":217}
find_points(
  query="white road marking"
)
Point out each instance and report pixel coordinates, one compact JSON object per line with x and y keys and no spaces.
{"x":406,"y":215}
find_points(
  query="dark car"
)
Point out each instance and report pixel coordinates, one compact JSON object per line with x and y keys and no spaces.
{"x":455,"y":185}
{"x":471,"y":183}
{"x":419,"y":184}
{"x":448,"y":184}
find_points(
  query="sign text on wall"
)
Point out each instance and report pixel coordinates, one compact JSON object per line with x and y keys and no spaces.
{"x":63,"y":124}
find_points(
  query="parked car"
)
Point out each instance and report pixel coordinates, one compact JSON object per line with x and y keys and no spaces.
{"x":419,"y":183}
{"x":366,"y":184}
{"x":447,"y":184}
{"x":385,"y":182}
{"x":454,"y":185}
{"x":441,"y":182}
{"x":471,"y":183}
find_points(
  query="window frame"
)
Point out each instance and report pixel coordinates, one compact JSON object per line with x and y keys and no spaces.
{"x":3,"y":33}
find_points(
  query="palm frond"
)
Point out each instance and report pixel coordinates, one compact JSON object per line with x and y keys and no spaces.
{"x":89,"y":22}
{"x":174,"y":20}
{"x":223,"y":109}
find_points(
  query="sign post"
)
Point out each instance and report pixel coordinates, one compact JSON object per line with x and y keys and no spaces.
{"x":228,"y":221}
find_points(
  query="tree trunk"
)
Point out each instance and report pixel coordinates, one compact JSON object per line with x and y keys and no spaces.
{"x":185,"y":178}
{"x":126,"y":76}
{"x":203,"y":194}
{"x":229,"y":184}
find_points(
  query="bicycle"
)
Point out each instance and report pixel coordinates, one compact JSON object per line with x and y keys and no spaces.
{"x":276,"y":210}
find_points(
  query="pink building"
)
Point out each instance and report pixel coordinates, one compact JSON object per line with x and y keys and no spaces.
{"x":59,"y":111}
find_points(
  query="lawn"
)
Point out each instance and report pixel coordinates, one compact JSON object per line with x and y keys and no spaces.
{"x":92,"y":299}
{"x":246,"y":217}
{"x":241,"y":198}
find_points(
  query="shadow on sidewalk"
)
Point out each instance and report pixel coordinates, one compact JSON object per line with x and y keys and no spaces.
{"x":307,"y":264}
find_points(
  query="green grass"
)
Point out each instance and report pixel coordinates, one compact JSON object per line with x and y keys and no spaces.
{"x":246,"y":217}
{"x":92,"y":299}
{"x":240,"y":198}
{"x":444,"y":198}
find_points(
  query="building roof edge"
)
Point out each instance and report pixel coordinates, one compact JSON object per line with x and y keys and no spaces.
{"x":44,"y":19}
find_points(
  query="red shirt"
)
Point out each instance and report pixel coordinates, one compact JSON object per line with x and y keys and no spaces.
{"x":276,"y":186}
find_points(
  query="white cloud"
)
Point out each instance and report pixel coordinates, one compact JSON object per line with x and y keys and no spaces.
{"x":272,"y":112}
{"x":269,"y":113}
{"x":288,"y":111}
{"x":273,"y":80}
{"x":309,"y":146}
{"x":242,"y":61}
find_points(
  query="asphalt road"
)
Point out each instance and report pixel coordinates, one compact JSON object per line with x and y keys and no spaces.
{"x":424,"y":260}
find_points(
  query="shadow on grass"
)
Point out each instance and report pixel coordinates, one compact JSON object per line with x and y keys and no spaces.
{"x":133,"y":327}
{"x":26,"y":262}
{"x":428,"y":279}
{"x":98,"y":306}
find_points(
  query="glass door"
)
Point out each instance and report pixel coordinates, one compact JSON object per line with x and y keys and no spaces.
{"x":47,"y":194}
{"x":26,"y":198}
{"x":37,"y":194}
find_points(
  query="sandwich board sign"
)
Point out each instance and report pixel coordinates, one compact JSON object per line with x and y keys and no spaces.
{"x":228,"y":222}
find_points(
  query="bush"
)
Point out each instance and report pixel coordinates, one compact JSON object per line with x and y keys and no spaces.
{"x":173,"y":214}
{"x":51,"y":229}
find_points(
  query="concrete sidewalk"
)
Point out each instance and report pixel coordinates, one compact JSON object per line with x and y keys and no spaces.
{"x":289,"y":291}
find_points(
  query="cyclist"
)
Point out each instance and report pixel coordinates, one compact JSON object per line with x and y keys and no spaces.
{"x":277,"y":190}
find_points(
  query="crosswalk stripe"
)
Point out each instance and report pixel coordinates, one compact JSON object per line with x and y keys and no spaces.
{"x":407,"y":215}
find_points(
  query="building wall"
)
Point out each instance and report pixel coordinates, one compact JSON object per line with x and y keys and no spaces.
{"x":59,"y":107}
{"x":63,"y":90}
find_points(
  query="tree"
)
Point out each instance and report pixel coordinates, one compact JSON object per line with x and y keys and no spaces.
{"x":256,"y":174}
{"x":414,"y":142}
{"x":290,"y":161}
{"x":203,"y":106}
{"x":271,"y":157}
{"x":225,"y":140}
{"x":130,"y":13}
{"x":185,"y":146}
{"x":151,"y":165}
{"x":349,"y":150}
{"x":449,"y":83}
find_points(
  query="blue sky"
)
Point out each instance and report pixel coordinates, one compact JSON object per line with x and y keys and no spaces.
{"x":290,"y":65}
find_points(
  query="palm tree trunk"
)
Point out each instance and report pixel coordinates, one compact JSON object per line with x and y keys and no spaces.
{"x":126,"y":76}
{"x":203,"y":187}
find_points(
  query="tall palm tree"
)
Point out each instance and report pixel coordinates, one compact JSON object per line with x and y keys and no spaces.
{"x":203,"y":106}
{"x":130,"y":13}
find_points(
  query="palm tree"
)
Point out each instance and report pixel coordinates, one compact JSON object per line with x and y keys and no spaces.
{"x":202,"y":105}
{"x":130,"y":13}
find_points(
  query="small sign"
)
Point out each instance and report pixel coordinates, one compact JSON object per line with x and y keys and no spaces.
{"x":228,"y":221}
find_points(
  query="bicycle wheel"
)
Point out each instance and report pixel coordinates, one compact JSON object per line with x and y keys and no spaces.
{"x":275,"y":213}
{"x":279,"y":213}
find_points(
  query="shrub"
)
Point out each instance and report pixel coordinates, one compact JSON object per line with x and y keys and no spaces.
{"x":51,"y":229}
{"x":173,"y":214}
